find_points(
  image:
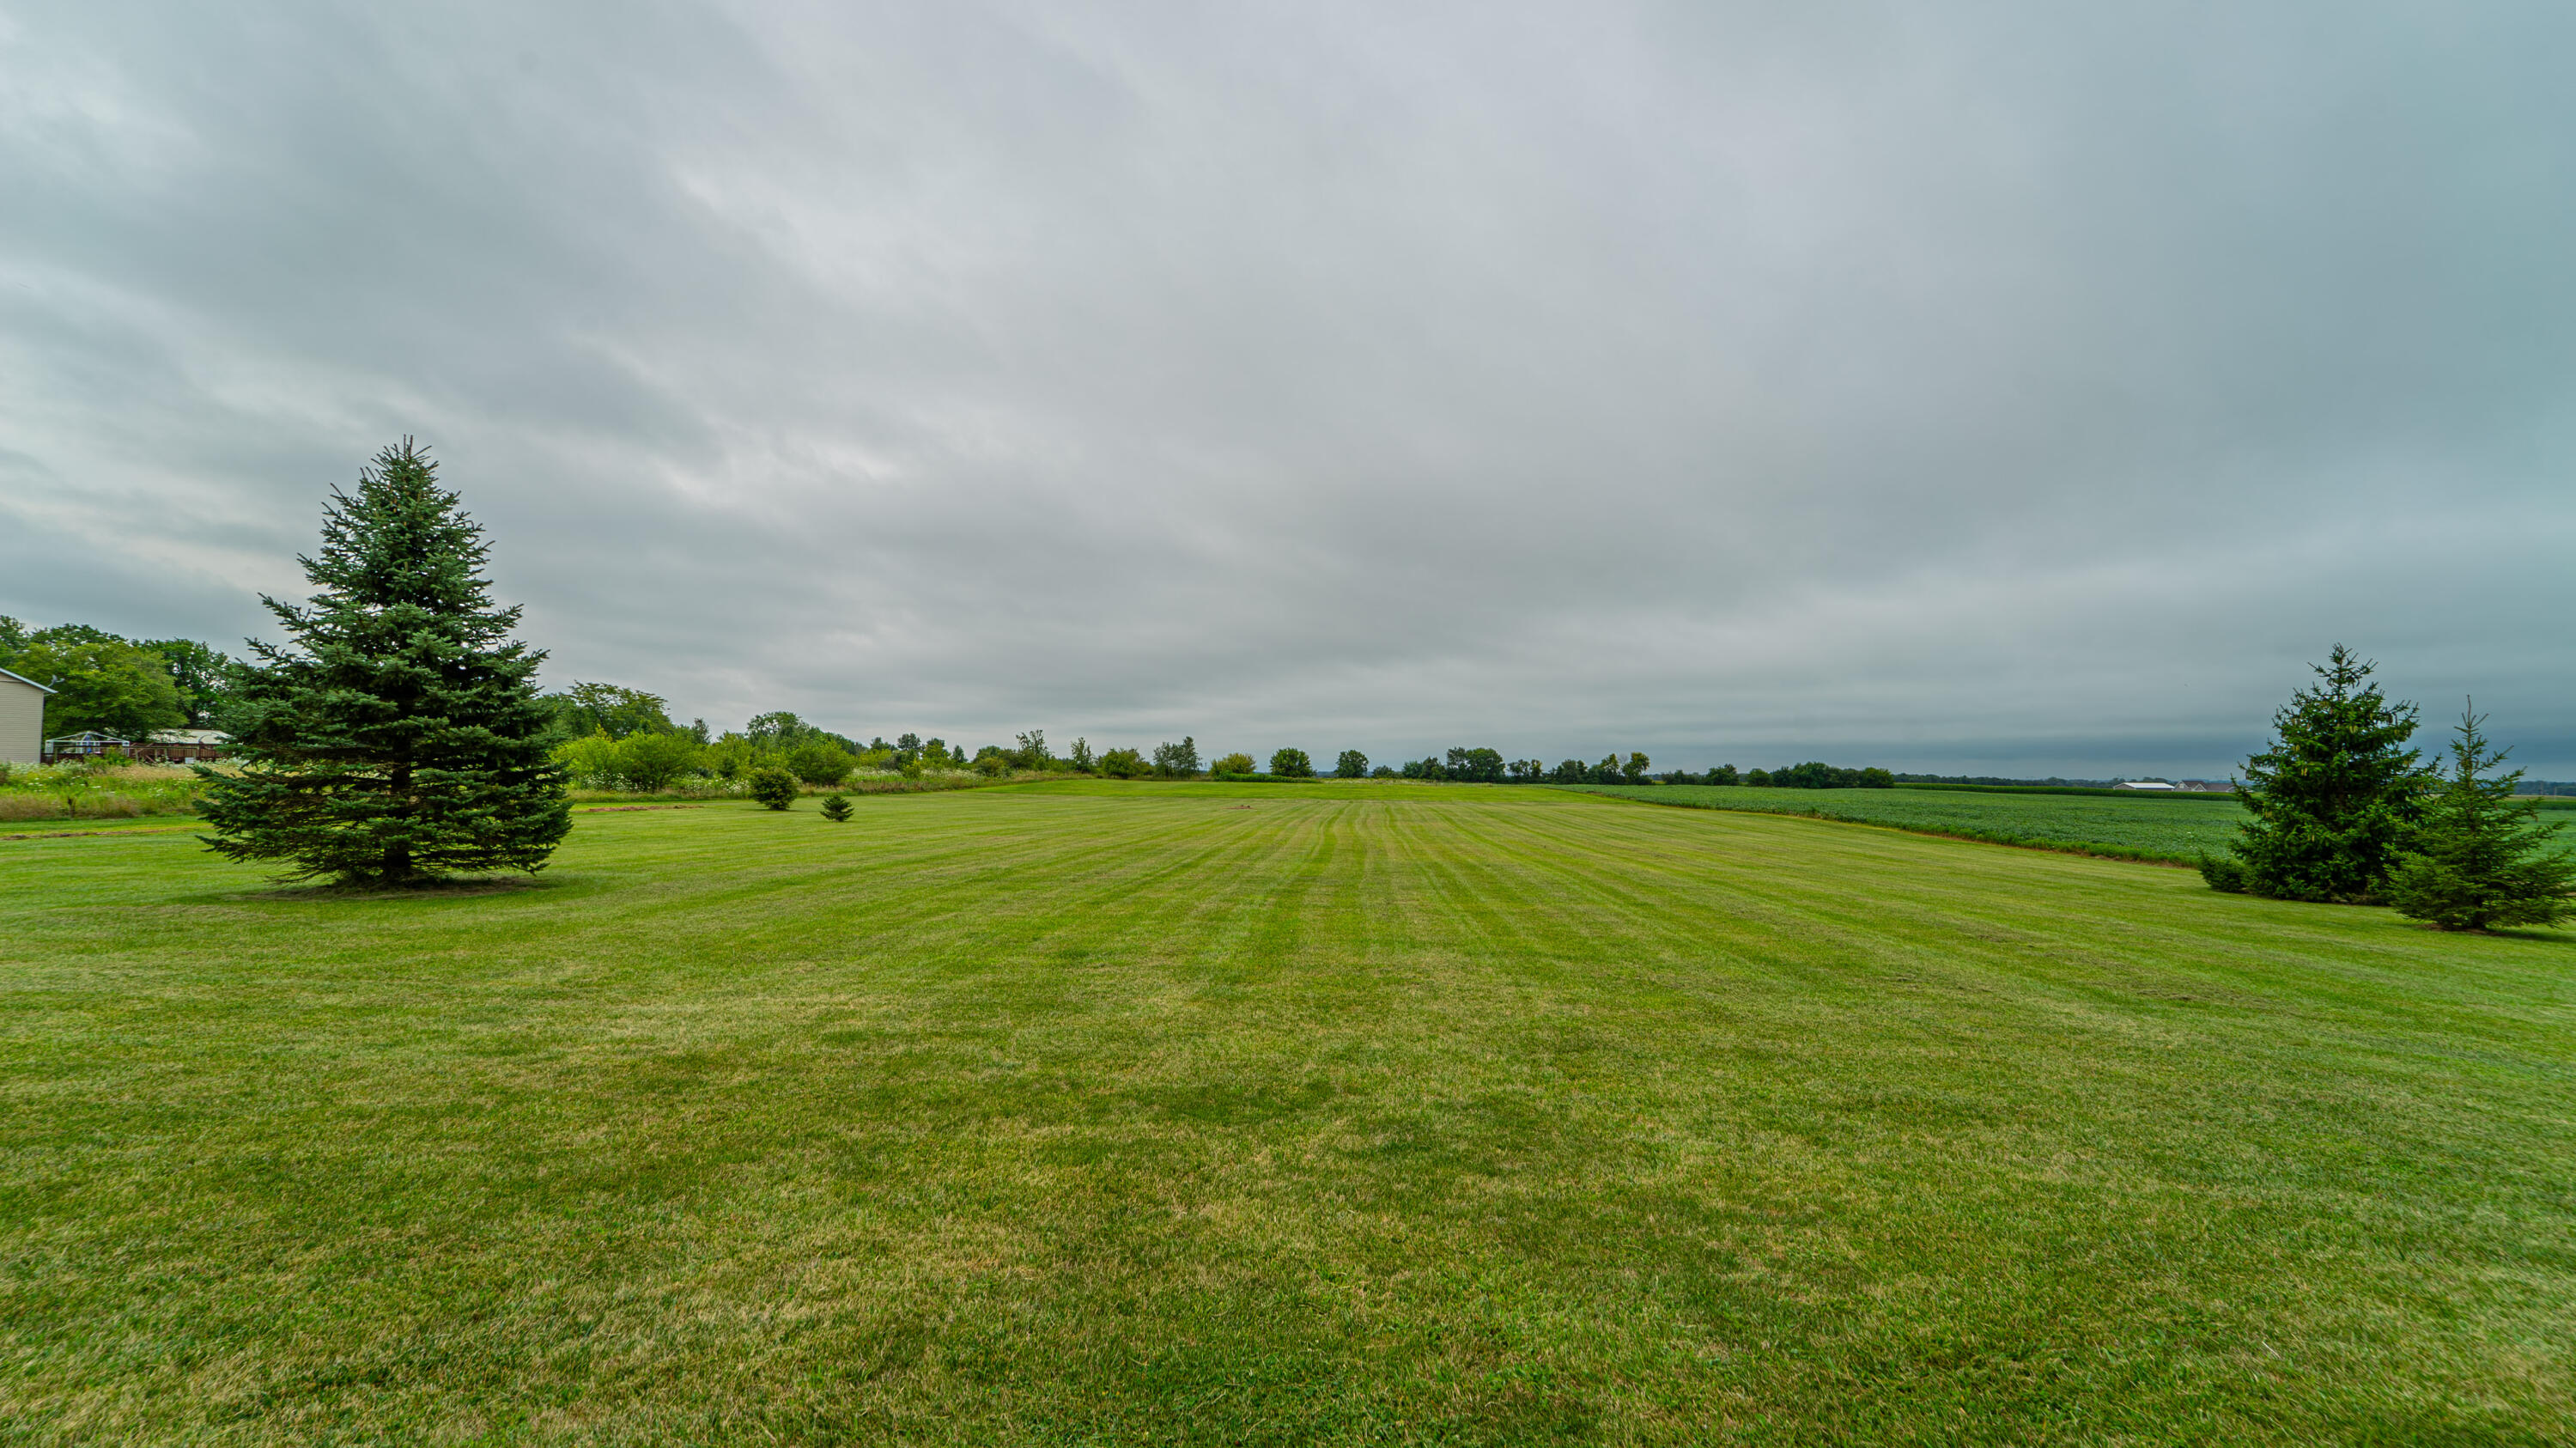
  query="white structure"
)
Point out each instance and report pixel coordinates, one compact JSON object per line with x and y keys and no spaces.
{"x":22,"y":719}
{"x":2143,"y":784}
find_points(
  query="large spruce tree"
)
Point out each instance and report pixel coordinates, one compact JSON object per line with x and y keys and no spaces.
{"x":400,"y":737}
{"x":2336,"y":797}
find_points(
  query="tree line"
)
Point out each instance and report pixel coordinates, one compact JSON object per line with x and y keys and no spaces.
{"x":124,"y":688}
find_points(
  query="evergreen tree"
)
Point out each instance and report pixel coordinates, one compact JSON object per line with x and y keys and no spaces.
{"x":400,"y":736}
{"x":2479,"y":859}
{"x":2334,"y":799}
{"x":836,"y":808}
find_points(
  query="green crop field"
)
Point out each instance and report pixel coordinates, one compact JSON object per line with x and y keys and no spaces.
{"x":1089,"y":1113}
{"x":2148,"y":827}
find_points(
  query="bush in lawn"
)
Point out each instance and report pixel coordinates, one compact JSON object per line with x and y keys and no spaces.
{"x":820,"y":762}
{"x":836,"y":808}
{"x":773,"y":787}
{"x":1235,"y":763}
{"x":1291,"y":764}
{"x":1352,"y":765}
{"x":1124,"y":764}
{"x":2480,"y":859}
{"x":403,"y":737}
{"x":2336,"y":797}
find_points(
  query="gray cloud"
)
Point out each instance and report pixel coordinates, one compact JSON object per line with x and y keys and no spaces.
{"x":1991,"y":387}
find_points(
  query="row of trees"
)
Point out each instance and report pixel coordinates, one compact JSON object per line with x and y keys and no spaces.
{"x":2343,"y":809}
{"x":124,"y":688}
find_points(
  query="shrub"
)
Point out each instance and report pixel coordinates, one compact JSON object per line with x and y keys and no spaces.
{"x":1124,"y":764}
{"x":773,"y":787}
{"x":2224,"y":873}
{"x":1236,"y":763}
{"x":1291,"y":764}
{"x":991,"y":766}
{"x":836,"y":808}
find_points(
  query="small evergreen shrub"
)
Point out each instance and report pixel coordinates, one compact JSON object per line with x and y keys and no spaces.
{"x":836,"y":808}
{"x":773,"y":787}
{"x":2224,"y":873}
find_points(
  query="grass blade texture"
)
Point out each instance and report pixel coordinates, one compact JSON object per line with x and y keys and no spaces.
{"x":1133,"y":1113}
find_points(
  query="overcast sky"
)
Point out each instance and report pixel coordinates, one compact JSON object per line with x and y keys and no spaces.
{"x":2031,"y":389}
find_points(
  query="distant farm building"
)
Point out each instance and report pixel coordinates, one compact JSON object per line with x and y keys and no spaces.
{"x":22,"y":719}
{"x":2156,"y":784}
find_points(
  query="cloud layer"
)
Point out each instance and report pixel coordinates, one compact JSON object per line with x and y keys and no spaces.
{"x":2027,"y":388}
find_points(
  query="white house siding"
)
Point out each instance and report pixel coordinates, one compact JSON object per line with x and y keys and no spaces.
{"x":22,"y":720}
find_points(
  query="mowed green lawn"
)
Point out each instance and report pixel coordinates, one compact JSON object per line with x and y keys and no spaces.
{"x":2148,"y":826}
{"x":1096,"y":1113}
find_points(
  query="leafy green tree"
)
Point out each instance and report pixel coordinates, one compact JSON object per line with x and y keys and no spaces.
{"x":993,"y":765}
{"x":13,"y":637}
{"x":100,"y":682}
{"x":1384,"y":771}
{"x":200,"y":671}
{"x":1352,"y":765}
{"x":1724,"y":774}
{"x":2335,"y":798}
{"x":611,"y":709}
{"x":773,"y":786}
{"x":1291,"y":764}
{"x":1083,"y":760}
{"x":400,"y":735}
{"x":1124,"y":764}
{"x":2479,"y":859}
{"x":1177,"y":761}
{"x":1235,"y":763}
{"x":1033,"y":752}
{"x":1607,"y":771}
{"x":1634,"y":771}
{"x":1482,"y":766}
{"x":1570,"y":771}
{"x":777,"y":730}
{"x":820,"y":761}
{"x":836,"y":808}
{"x":653,"y":761}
